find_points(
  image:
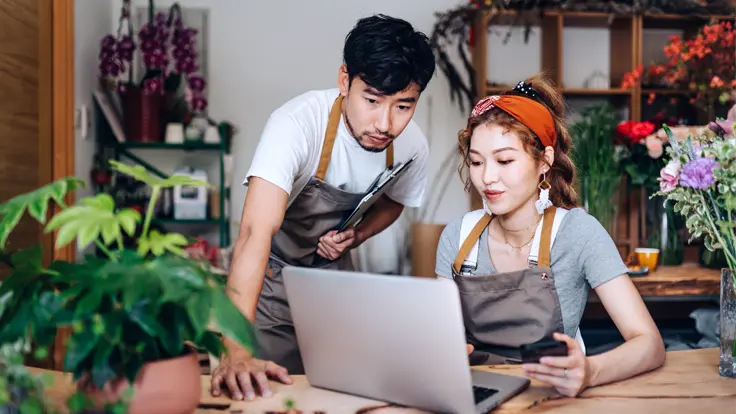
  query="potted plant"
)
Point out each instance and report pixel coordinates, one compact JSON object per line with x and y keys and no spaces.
{"x":594,"y":156}
{"x":21,"y":391}
{"x":170,"y":89}
{"x":700,"y":179}
{"x":137,"y":315}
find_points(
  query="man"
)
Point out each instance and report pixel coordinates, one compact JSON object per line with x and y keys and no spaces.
{"x":317,"y":155}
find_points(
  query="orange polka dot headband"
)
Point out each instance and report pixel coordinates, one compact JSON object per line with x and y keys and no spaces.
{"x":529,"y":112}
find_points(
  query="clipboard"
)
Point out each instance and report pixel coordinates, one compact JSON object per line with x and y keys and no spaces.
{"x":375,"y":191}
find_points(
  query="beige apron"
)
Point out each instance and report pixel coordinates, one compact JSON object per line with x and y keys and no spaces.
{"x":506,"y":310}
{"x":317,"y":209}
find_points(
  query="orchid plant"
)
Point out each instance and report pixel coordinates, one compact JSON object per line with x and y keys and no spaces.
{"x":168,"y":55}
{"x":700,"y":178}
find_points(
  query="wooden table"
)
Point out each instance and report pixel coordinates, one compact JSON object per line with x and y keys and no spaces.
{"x":688,"y":383}
{"x":689,"y":279}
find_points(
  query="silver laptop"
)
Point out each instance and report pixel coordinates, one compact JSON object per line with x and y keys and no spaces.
{"x":390,"y":338}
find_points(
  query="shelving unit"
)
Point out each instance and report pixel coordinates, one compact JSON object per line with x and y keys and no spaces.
{"x":117,"y":150}
{"x":626,"y":53}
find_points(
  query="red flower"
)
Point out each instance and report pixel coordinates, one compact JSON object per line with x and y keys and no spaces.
{"x":633,"y":131}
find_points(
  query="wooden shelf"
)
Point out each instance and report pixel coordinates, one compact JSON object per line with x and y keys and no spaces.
{"x":626,"y":54}
{"x":570,"y":91}
{"x":188,"y":146}
{"x":593,"y":92}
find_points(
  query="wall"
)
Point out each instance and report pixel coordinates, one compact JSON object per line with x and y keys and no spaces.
{"x":91,"y":23}
{"x":260,"y":56}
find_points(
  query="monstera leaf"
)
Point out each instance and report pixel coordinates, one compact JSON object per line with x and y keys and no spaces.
{"x":91,"y":217}
{"x":36,"y":203}
{"x":141,"y":174}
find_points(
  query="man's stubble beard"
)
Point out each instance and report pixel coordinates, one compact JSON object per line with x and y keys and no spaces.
{"x":356,"y":137}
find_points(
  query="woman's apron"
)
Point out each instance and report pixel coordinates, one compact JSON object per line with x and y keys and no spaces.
{"x":316,"y":210}
{"x":506,"y":310}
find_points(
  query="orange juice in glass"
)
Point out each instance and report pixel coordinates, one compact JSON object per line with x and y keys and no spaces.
{"x":648,"y":257}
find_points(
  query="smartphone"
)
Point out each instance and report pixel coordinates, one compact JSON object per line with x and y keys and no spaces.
{"x":531,"y":353}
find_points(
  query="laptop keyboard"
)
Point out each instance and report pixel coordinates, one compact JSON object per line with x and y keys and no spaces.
{"x":481,"y":393}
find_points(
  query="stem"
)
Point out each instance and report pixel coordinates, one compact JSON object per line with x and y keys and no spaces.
{"x":729,"y":255}
{"x":149,"y":211}
{"x":120,"y":243}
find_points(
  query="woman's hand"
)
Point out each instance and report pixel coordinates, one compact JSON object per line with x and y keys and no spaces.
{"x":569,"y":374}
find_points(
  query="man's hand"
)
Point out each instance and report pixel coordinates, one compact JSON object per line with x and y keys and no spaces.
{"x":241,"y":374}
{"x":333,"y":244}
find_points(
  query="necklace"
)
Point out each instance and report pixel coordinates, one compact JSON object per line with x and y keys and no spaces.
{"x":518,"y":248}
{"x":515,"y":248}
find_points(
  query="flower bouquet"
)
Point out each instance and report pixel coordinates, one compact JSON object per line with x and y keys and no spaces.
{"x":170,"y":90}
{"x":700,"y":179}
{"x":703,"y":67}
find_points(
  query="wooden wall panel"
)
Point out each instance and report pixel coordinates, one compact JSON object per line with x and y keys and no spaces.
{"x":19,"y":109}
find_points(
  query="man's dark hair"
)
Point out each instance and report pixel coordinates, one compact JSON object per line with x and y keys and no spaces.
{"x":388,"y":54}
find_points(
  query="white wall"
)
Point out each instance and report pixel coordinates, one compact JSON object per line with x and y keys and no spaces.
{"x":260,"y":56}
{"x":92,"y":21}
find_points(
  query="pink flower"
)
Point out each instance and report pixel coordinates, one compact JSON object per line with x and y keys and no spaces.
{"x":669,"y":176}
{"x":654,"y":146}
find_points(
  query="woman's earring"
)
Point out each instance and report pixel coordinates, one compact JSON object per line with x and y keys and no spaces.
{"x":485,"y":207}
{"x":543,"y":201}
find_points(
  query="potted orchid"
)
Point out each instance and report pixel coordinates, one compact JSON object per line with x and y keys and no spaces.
{"x":700,"y":179}
{"x":170,"y":89}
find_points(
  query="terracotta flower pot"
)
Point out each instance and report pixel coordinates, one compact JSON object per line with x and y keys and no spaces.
{"x":425,"y":237}
{"x":170,"y":386}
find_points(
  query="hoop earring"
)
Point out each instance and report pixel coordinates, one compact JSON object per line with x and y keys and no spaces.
{"x":543,"y":202}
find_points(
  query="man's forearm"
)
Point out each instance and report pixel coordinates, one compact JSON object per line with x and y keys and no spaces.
{"x":378,"y":218}
{"x":250,"y":258}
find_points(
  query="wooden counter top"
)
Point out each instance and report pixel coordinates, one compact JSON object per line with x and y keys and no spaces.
{"x":689,"y":382}
{"x":689,"y":279}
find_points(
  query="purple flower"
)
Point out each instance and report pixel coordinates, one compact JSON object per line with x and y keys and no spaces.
{"x":199,"y":103}
{"x":698,"y":173}
{"x":197,"y":83}
{"x":108,"y":42}
{"x":151,"y":86}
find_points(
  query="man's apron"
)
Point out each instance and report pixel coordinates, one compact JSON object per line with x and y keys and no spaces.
{"x":316,"y":210}
{"x":506,"y":310}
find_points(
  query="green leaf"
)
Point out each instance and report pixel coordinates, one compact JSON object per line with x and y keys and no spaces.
{"x":88,"y":234}
{"x":211,"y":343}
{"x":36,"y":202}
{"x":77,"y":402}
{"x":158,"y":244}
{"x":182,"y":180}
{"x":128,"y":219}
{"x":30,"y":259}
{"x":79,"y":347}
{"x":101,"y":201}
{"x":230,"y":322}
{"x":110,"y":231}
{"x":135,"y":171}
{"x":31,"y":406}
{"x":198,"y":306}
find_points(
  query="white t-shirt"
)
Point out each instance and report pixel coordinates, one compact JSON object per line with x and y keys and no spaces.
{"x":289,"y":150}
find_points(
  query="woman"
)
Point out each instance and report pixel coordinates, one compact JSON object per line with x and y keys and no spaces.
{"x":524,"y":264}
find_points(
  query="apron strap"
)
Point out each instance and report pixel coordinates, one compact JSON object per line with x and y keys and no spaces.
{"x":472,"y":238}
{"x":329,"y":141}
{"x":545,"y":242}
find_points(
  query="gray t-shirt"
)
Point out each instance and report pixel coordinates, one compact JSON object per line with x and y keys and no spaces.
{"x":583,"y":256}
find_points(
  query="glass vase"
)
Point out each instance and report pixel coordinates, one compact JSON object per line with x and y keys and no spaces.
{"x":727,"y":365}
